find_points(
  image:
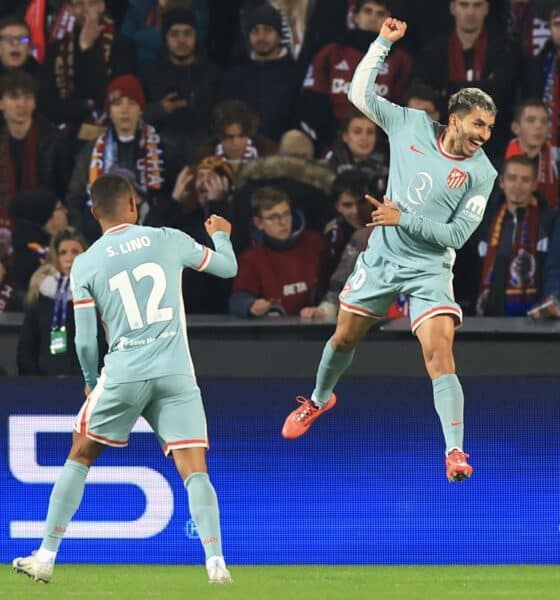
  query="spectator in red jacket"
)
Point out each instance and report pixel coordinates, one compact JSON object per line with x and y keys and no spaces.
{"x":324,"y":103}
{"x":282,"y":274}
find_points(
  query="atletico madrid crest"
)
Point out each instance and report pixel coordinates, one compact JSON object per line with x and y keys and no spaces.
{"x":456,"y":179}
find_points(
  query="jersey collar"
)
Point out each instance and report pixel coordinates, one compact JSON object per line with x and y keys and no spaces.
{"x":442,"y":151}
{"x":117,"y":228}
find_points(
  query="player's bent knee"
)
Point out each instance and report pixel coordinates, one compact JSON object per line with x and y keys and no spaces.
{"x":439,"y":360}
{"x":84,"y":450}
{"x":343,"y":342}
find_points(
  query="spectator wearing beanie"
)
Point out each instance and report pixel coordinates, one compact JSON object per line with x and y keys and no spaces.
{"x":268,"y":82}
{"x":79,"y":66}
{"x":32,"y":153}
{"x":182,"y":86}
{"x":128,"y":142}
{"x":38,"y":215}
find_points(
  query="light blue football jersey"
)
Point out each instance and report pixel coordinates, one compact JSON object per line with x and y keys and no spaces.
{"x":442,"y":197}
{"x":132,"y":276}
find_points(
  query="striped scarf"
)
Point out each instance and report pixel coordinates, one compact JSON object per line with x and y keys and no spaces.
{"x":249,"y":154}
{"x":522,"y":274}
{"x":64,"y":64}
{"x":551,"y":96}
{"x":149,"y":161}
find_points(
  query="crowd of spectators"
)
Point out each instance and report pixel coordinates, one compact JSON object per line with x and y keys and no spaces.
{"x":240,"y":108}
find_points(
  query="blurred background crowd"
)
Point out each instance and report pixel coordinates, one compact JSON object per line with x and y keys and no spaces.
{"x":239,"y":108}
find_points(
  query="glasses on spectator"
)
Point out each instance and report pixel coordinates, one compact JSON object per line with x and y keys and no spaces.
{"x":15,"y":40}
{"x":278,"y":217}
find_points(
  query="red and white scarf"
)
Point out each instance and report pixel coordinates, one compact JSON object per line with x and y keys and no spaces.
{"x":149,"y":157}
{"x":64,"y":64}
{"x":249,"y":154}
{"x":457,"y":70}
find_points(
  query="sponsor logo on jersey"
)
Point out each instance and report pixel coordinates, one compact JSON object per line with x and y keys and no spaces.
{"x":342,"y":66}
{"x":456,"y":179}
{"x":415,"y":149}
{"x":419,"y":188}
{"x":474,"y":208}
{"x":291,"y":289}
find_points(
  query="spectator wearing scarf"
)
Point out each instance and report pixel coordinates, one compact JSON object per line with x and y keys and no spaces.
{"x":32,"y":154}
{"x":128,"y":142}
{"x":476,"y":57}
{"x":85,"y":54}
{"x":530,"y":125}
{"x":515,"y":244}
{"x":235,"y":136}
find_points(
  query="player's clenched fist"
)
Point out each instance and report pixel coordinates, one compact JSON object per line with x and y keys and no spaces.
{"x":393,"y":29}
{"x":215,"y":223}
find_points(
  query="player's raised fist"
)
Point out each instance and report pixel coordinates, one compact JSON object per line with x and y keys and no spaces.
{"x":215,"y":223}
{"x":393,"y":29}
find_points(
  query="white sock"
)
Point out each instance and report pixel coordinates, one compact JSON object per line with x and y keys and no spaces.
{"x":216,"y":561}
{"x":44,"y":555}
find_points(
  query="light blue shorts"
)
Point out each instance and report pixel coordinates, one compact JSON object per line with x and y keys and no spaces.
{"x":372,"y":288}
{"x":172,"y":406}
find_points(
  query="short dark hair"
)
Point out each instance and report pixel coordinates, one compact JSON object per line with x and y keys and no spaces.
{"x":351,"y":181}
{"x":232,"y":112}
{"x":533,"y":102}
{"x":422,"y":92}
{"x":520,"y":159}
{"x":466,"y":99}
{"x":353,"y":114}
{"x":554,"y":12}
{"x":68,"y":233}
{"x":266,"y":198}
{"x":12,"y":21}
{"x":17,"y":80}
{"x":108,"y":192}
{"x":388,"y":4}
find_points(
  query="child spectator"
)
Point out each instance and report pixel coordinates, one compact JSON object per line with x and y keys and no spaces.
{"x":283,"y":273}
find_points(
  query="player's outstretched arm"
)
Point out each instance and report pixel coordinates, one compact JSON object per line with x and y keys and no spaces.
{"x":362,"y":91}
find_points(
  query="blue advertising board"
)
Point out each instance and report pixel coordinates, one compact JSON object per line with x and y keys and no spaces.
{"x":366,"y":485}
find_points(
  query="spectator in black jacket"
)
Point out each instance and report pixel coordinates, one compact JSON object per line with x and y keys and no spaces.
{"x":544,"y":77}
{"x":514,"y":243}
{"x":46,"y":343}
{"x":269,"y":81}
{"x":182,"y":86}
{"x":200,"y":191}
{"x":38,"y":215}
{"x":32,"y":153}
{"x":472,"y":55}
{"x":78,"y":67}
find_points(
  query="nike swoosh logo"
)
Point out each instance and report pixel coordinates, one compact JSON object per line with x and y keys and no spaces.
{"x":455,"y":423}
{"x":415,"y":149}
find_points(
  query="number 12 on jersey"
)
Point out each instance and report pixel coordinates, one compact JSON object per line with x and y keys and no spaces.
{"x":154,"y":314}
